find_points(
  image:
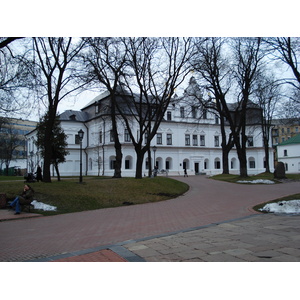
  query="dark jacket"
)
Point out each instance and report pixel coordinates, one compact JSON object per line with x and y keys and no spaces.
{"x":26,"y":197}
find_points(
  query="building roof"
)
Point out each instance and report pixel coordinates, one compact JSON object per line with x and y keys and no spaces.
{"x":73,"y":115}
{"x":294,"y":140}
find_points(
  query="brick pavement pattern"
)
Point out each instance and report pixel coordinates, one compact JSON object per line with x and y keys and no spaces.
{"x":208,"y":201}
{"x":105,"y":255}
{"x":259,"y":238}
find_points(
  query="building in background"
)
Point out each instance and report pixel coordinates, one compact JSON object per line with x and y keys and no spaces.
{"x":288,"y":152}
{"x":13,"y":144}
{"x":187,"y":138}
{"x":284,"y":129}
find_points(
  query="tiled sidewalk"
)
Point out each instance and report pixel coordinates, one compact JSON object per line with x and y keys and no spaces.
{"x":207,"y":203}
{"x":258,"y":238}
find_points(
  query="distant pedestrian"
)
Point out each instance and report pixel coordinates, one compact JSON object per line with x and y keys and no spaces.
{"x":39,"y":176}
{"x":185,"y":173}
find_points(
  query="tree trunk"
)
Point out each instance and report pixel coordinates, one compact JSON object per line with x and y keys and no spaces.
{"x":243,"y":162}
{"x":139,"y":163}
{"x":118,"y":164}
{"x":57,"y":171}
{"x":225,"y":154}
{"x":48,"y":143}
{"x":267,"y":156}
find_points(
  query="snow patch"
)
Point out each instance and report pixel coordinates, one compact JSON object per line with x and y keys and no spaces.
{"x":264,"y":181}
{"x":283,"y":207}
{"x":43,"y":206}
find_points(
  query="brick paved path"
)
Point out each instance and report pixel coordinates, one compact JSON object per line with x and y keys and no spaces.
{"x":207,"y":202}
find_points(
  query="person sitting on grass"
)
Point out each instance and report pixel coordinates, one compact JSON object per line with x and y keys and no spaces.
{"x":25,"y":198}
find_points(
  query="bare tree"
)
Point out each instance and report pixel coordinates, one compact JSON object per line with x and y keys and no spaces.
{"x":15,"y":76}
{"x":155,"y":68}
{"x":214,"y":69}
{"x":105,"y":62}
{"x":55,"y":77}
{"x":267,"y":94}
{"x":9,"y":142}
{"x":248,"y":59}
{"x":287,"y":50}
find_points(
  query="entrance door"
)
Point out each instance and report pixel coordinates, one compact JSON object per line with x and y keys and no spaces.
{"x":196,"y":168}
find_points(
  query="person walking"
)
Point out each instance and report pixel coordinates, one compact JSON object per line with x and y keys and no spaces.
{"x":185,"y":173}
{"x":39,"y":176}
{"x":26,"y":197}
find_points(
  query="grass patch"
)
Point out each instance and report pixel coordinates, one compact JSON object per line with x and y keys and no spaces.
{"x":264,"y":176}
{"x":14,"y":178}
{"x":287,"y":198}
{"x":97,"y":192}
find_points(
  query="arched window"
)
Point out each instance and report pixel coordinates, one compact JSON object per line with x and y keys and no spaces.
{"x":169,"y":163}
{"x":186,"y":164}
{"x":112,"y":162}
{"x":217,"y":163}
{"x":206,"y":164}
{"x":233,"y":163}
{"x":91,"y":164}
{"x":128,"y":162}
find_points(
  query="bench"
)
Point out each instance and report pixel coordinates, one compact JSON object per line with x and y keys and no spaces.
{"x":27,"y":206}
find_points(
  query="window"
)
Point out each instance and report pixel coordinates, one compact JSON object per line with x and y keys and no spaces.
{"x":195,"y":140}
{"x":202,"y":140}
{"x":127,"y":164}
{"x":159,"y":138}
{"x":285,"y":153}
{"x":169,"y":116}
{"x":100,"y":137}
{"x":127,"y":136}
{"x":146,"y":137}
{"x":187,"y":140}
{"x":288,"y":130}
{"x":250,"y":141}
{"x":112,"y":164}
{"x":296,"y":129}
{"x":217,"y":164}
{"x":182,"y":112}
{"x":167,"y":165}
{"x":217,"y":120}
{"x":194,"y":112}
{"x":252,"y":164}
{"x":204,"y":113}
{"x":169,"y":139}
{"x":77,"y":141}
{"x":112,"y":136}
{"x":282,"y":130}
{"x":216,"y":141}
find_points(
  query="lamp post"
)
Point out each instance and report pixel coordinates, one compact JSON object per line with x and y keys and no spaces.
{"x":154,"y":148}
{"x":80,"y":136}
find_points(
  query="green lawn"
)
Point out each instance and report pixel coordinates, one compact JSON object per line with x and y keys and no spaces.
{"x":98,"y":192}
{"x":265,"y":176}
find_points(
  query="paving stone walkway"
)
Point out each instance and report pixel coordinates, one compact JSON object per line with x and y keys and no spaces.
{"x":210,"y":215}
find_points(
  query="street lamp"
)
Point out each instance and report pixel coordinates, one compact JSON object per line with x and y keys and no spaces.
{"x":80,"y":136}
{"x":154,"y":148}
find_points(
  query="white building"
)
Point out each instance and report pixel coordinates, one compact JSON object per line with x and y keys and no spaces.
{"x":187,"y":138}
{"x":288,"y":152}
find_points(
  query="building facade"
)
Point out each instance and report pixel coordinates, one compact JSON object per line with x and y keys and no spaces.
{"x":284,"y":129}
{"x":15,"y":130}
{"x":187,"y":138}
{"x":288,"y":152}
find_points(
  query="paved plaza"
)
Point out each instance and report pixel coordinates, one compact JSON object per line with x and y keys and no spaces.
{"x":212,"y":222}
